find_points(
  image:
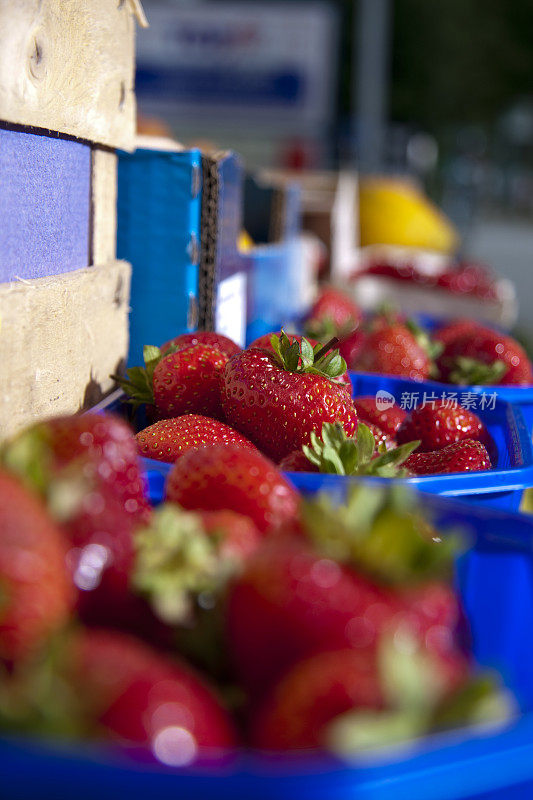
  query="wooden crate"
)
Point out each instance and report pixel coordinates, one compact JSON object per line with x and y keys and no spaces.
{"x":66,"y":103}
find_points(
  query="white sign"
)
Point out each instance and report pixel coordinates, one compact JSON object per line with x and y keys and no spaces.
{"x":230,"y":312}
{"x":255,"y":61}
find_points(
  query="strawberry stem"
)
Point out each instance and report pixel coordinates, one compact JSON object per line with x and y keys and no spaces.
{"x":333,"y":342}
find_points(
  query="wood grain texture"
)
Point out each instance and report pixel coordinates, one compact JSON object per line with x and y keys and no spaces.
{"x":68,"y":66}
{"x":60,"y":339}
{"x":103,"y":206}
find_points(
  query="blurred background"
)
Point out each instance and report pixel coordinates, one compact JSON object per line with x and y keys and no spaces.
{"x":439,"y":92}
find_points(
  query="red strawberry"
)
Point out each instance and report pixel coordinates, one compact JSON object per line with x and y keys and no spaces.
{"x":388,"y":419}
{"x":485,"y":356}
{"x":391,"y":349}
{"x":36,"y":591}
{"x":290,"y":601}
{"x":334,"y":313}
{"x":465,"y":455}
{"x":351,"y":346}
{"x":106,"y":442}
{"x":86,"y":466}
{"x":231,"y":477}
{"x":296,"y":713}
{"x":277,"y":400}
{"x":297,"y":461}
{"x":138,"y":696}
{"x":343,"y":583}
{"x":453,"y":330}
{"x":237,"y":535}
{"x":183,"y":382}
{"x":216,"y":340}
{"x":438,"y":424}
{"x":169,"y":439}
{"x":189,"y":381}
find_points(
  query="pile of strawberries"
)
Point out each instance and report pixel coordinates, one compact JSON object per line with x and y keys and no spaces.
{"x":290,"y":398}
{"x":461,"y":278}
{"x":234,"y":614}
{"x":463,"y":352}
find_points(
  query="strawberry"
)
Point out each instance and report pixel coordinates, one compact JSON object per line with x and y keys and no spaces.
{"x":136,"y":695}
{"x":314,"y":692}
{"x":437,"y":424}
{"x":291,"y":601}
{"x":453,"y":330}
{"x":186,"y":381}
{"x":86,"y":468}
{"x":36,"y":591}
{"x":278,"y":399}
{"x":486,"y":357}
{"x":216,"y":340}
{"x":466,"y":455}
{"x":333,"y":313}
{"x":297,"y":461}
{"x":339,"y":586}
{"x":237,"y":535}
{"x":169,"y":439}
{"x":391,"y":694}
{"x":235,"y":478}
{"x":265,"y":343}
{"x":351,"y":345}
{"x":388,"y":420}
{"x":392,"y":349}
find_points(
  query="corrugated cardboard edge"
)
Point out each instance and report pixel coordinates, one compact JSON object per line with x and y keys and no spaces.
{"x":60,"y":339}
{"x":208,"y":242}
{"x":70,"y":67}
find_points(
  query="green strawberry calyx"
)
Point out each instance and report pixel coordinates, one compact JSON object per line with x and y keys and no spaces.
{"x":336,"y":453}
{"x":432,"y":347}
{"x":139,"y":381}
{"x":302,"y":357}
{"x":472,"y":372}
{"x":380,"y":531}
{"x":416,"y":702}
{"x":178,"y":565}
{"x":324,"y":328}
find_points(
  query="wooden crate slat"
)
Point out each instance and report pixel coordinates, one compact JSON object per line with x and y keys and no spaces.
{"x":69,"y":67}
{"x":60,"y":339}
{"x":103,"y":206}
{"x":45,"y":202}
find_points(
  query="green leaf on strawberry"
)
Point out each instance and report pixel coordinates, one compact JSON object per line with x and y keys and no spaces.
{"x":378,"y":531}
{"x":178,"y":564}
{"x":471,"y":371}
{"x":139,"y":381}
{"x":302,"y":357}
{"x":334,"y":452}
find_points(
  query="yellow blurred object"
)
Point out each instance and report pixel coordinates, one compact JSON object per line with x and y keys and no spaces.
{"x":395,"y":212}
{"x":244,"y":242}
{"x":526,"y":506}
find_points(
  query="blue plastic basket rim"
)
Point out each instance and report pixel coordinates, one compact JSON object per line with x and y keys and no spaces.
{"x":520,"y":395}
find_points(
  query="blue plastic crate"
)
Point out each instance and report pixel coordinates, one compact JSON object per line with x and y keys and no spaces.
{"x":495,"y":580}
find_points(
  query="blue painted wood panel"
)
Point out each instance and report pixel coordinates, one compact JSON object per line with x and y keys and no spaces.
{"x":44,"y":205}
